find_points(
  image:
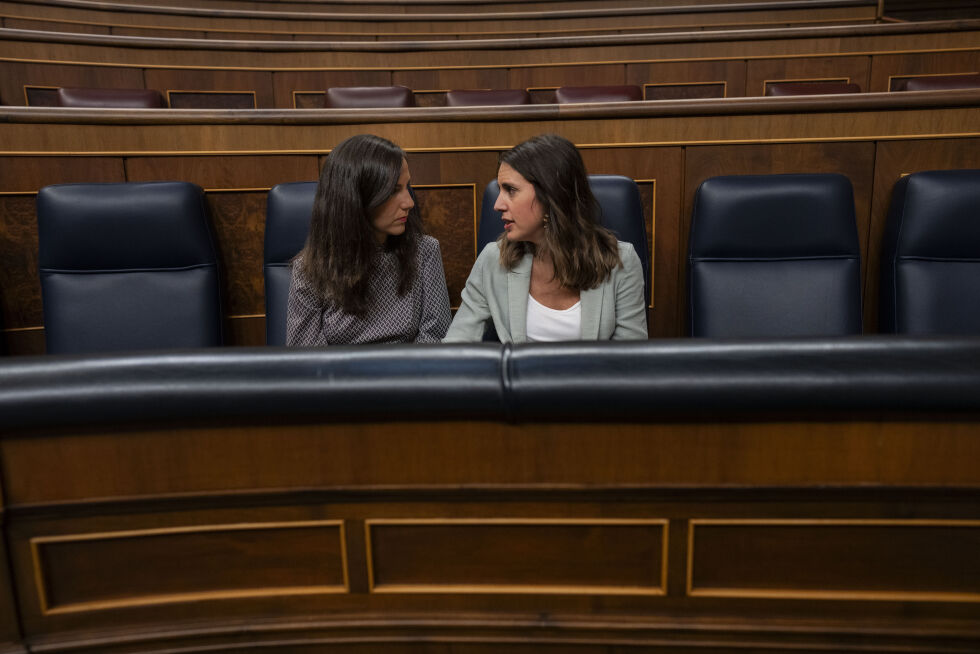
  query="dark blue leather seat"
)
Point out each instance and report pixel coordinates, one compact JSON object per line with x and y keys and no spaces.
{"x":287,"y":223}
{"x":930,"y":256}
{"x":774,"y":256}
{"x":127,"y":266}
{"x":622,"y":212}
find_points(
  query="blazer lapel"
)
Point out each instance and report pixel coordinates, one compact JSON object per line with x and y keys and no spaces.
{"x":591,"y":309}
{"x":518,"y":288}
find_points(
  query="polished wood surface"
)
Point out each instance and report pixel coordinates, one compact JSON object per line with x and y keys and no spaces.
{"x":669,"y":147}
{"x":819,"y":535}
{"x":209,"y":22}
{"x":695,"y":64}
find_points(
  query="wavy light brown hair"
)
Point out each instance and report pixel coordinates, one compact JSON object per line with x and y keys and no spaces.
{"x":359,"y":175}
{"x":583,"y":252}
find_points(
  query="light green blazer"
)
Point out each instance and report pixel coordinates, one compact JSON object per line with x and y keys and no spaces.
{"x":614,"y":310}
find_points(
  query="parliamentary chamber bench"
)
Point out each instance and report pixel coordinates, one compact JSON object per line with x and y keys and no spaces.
{"x":805,"y":495}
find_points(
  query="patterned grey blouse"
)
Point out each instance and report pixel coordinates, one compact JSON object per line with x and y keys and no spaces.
{"x":420,"y":316}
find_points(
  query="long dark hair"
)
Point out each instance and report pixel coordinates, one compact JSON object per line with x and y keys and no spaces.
{"x":359,"y":175}
{"x":582,"y":251}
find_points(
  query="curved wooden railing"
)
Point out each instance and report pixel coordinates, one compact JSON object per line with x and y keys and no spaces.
{"x":140,"y":19}
{"x":814,"y":495}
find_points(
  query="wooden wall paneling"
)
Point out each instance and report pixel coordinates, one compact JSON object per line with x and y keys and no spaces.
{"x":449,"y":23}
{"x":837,"y":559}
{"x":20,"y":286}
{"x":123,"y":30}
{"x":10,"y":634}
{"x":894,"y":159}
{"x":659,"y":173}
{"x":17,"y":75}
{"x":579,"y":486}
{"x":856,"y":70}
{"x":207,"y":81}
{"x":236,"y":195}
{"x":708,"y":73}
{"x":305,"y":83}
{"x":450,"y":188}
{"x":541,"y":81}
{"x":58,"y":26}
{"x":603,"y":557}
{"x":439,"y":81}
{"x":854,"y":160}
{"x":887,"y":67}
{"x":860,"y":40}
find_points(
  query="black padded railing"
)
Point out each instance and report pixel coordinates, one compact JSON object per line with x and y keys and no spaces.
{"x":612,"y":382}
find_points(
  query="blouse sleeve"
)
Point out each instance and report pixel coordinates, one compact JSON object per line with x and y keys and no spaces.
{"x":631,"y":311}
{"x":435,"y":296}
{"x":304,"y":315}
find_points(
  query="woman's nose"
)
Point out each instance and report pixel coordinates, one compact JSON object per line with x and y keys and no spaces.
{"x":498,"y":205}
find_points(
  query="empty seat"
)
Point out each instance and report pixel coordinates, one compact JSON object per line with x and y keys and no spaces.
{"x":621,"y":212}
{"x":111,"y":98}
{"x":938,"y":82}
{"x":287,"y":223}
{"x":811,"y":88}
{"x":369,"y":97}
{"x":470,"y":98}
{"x":930,"y":258}
{"x":127,"y":266}
{"x":621,"y":93}
{"x":774,"y":256}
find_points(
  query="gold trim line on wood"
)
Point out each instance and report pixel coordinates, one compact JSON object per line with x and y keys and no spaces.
{"x":503,"y":589}
{"x":859,"y":522}
{"x":310,"y":69}
{"x":850,"y":595}
{"x":197,"y":597}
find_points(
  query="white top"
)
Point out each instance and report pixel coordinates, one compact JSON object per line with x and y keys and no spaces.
{"x":547,"y":324}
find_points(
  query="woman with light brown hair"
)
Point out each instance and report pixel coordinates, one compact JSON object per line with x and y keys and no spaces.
{"x":555,"y":274}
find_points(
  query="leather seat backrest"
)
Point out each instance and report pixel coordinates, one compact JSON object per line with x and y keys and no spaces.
{"x":369,"y":97}
{"x":287,"y":224}
{"x":127,"y":266}
{"x":621,"y":211}
{"x":111,"y":98}
{"x":939,"y":82}
{"x":810,"y":88}
{"x":491,"y":97}
{"x":618,"y":93}
{"x":930,"y":255}
{"x":774,"y":256}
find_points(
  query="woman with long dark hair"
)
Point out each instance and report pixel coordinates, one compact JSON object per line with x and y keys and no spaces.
{"x":555,"y":274}
{"x":367,"y":273}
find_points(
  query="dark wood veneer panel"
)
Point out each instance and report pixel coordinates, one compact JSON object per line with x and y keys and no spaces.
{"x":606,"y":557}
{"x":198,"y":83}
{"x":808,"y":69}
{"x":448,"y":214}
{"x":839,"y":559}
{"x":92,"y":571}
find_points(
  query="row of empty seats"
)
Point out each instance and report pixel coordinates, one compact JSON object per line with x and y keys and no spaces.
{"x":401,"y":96}
{"x":133,"y":265}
